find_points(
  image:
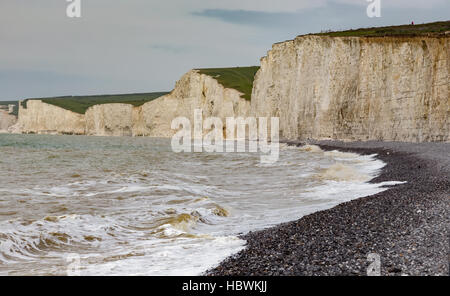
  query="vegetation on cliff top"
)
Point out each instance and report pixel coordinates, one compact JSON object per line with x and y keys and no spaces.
{"x":80,"y":104}
{"x":239,"y":78}
{"x":403,"y":30}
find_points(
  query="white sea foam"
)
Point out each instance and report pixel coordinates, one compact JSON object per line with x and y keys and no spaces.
{"x":148,"y":211}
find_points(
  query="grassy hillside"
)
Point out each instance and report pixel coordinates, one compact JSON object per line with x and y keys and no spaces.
{"x":404,"y":30}
{"x":239,"y":78}
{"x":80,"y":104}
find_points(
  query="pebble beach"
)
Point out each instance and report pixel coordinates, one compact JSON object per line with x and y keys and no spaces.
{"x":407,"y":225}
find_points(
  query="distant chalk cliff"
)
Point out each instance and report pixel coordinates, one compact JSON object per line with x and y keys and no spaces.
{"x":7,"y":118}
{"x":192,"y":91}
{"x":321,"y":87}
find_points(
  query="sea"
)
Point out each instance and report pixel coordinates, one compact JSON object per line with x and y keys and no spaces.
{"x":79,"y":205}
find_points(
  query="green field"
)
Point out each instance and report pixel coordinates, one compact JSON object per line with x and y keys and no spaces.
{"x":403,"y":30}
{"x":80,"y":104}
{"x":239,"y":78}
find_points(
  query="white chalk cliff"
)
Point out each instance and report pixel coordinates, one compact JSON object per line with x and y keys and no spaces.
{"x":192,"y":91}
{"x":321,"y":87}
{"x":6,"y":121}
{"x":352,"y":88}
{"x":42,"y":118}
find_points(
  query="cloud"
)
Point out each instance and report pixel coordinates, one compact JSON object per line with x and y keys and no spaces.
{"x":257,"y":5}
{"x":336,"y":15}
{"x":293,"y":6}
{"x":247,"y":17}
{"x":141,"y":45}
{"x":405,"y":4}
{"x":300,"y":22}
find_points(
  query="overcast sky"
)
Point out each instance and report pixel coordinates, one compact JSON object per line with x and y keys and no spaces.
{"x":123,"y":46}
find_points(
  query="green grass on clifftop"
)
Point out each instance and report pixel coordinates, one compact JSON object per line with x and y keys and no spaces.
{"x":403,"y":30}
{"x":80,"y":104}
{"x":239,"y":78}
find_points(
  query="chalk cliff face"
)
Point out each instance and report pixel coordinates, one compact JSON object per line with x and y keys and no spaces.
{"x":351,"y":88}
{"x":321,"y":87}
{"x":109,"y":120}
{"x":192,"y":91}
{"x":6,"y":121}
{"x":42,"y":118}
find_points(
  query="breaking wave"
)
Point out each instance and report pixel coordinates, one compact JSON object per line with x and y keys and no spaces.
{"x":129,"y":206}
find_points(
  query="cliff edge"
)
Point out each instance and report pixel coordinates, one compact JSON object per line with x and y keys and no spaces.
{"x":193,"y":91}
{"x":340,"y":85}
{"x":357,"y":88}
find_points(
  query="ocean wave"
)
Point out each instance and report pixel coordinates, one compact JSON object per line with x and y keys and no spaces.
{"x":20,"y":240}
{"x":341,"y":172}
{"x":128,"y":210}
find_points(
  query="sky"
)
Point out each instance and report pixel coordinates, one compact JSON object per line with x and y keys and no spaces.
{"x":132,"y":46}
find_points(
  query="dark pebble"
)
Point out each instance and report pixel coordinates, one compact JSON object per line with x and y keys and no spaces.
{"x":407,"y":225}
